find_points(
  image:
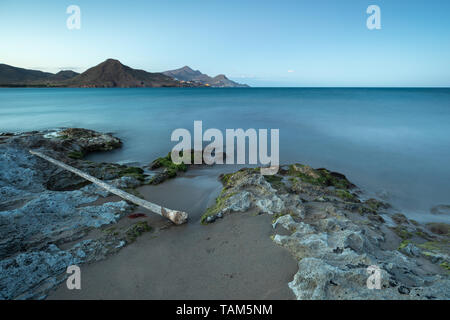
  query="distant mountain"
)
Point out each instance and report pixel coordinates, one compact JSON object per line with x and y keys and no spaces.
{"x":222,"y":81}
{"x":63,"y":75}
{"x":13,"y":75}
{"x":54,"y":80}
{"x":188,"y":75}
{"x":112,"y":73}
{"x":108,"y":74}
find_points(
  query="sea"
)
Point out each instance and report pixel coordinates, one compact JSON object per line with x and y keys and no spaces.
{"x":393,"y":143}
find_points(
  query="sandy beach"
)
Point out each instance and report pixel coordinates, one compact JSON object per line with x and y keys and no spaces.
{"x":233,"y":258}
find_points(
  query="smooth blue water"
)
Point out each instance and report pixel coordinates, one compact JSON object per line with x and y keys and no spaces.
{"x":394,"y":142}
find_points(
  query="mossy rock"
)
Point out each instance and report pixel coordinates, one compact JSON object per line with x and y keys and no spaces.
{"x":76,"y":155}
{"x":170,"y":167}
{"x":134,"y":172}
{"x":275,"y":181}
{"x":229,"y":179}
{"x":275,"y":216}
{"x":137,"y":230}
{"x":439,"y":228}
{"x":218,"y":206}
{"x":166,"y":162}
{"x":439,"y":246}
{"x":399,"y":218}
{"x":320,"y":177}
{"x":346,"y":196}
{"x":278,"y":215}
{"x":403,"y":232}
{"x":375,"y":204}
{"x":445,"y":265}
{"x":110,"y":230}
{"x":404,"y":244}
{"x":364,"y":210}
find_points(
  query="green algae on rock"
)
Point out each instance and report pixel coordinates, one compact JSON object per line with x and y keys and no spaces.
{"x":320,"y":177}
{"x":169,"y":169}
{"x":137,"y":230}
{"x":134,"y":172}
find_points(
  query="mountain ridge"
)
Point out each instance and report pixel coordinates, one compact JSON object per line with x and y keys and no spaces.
{"x":15,"y":75}
{"x":111,"y":73}
{"x":186,"y":73}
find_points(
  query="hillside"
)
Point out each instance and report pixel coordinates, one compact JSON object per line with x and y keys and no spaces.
{"x":10,"y":75}
{"x":112,"y":73}
{"x":189,"y":75}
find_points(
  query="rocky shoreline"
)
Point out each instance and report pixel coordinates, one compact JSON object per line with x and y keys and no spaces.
{"x":43,"y":208}
{"x":47,"y":216}
{"x":335,"y":237}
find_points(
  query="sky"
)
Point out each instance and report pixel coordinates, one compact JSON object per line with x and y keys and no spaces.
{"x":258,"y":42}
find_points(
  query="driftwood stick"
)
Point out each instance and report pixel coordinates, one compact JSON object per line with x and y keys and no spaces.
{"x":177,"y":217}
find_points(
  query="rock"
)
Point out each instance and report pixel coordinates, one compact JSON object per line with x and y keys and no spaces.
{"x":399,"y":218}
{"x":240,"y":202}
{"x":90,"y":140}
{"x":19,"y":276}
{"x":411,"y":250}
{"x":439,"y":228}
{"x":441,"y":209}
{"x":306,"y":170}
{"x":312,"y":279}
{"x":376,"y":205}
{"x":270,"y":206}
{"x":126,"y":182}
{"x":403,"y":290}
{"x":42,"y":207}
{"x":355,"y":241}
{"x":286,"y":221}
{"x":167,"y":169}
{"x":335,"y":246}
{"x":159,"y":177}
{"x":6,"y":134}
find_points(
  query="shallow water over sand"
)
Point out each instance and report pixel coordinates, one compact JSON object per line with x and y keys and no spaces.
{"x":393,"y":143}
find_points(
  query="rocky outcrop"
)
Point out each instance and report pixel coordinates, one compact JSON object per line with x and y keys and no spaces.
{"x":441,"y":209}
{"x":338,"y":239}
{"x":43,"y":208}
{"x":164,"y":168}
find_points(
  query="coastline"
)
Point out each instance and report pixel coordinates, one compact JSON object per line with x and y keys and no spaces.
{"x":307,"y":218}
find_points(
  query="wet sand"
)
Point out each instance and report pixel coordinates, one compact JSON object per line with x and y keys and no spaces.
{"x":233,"y":258}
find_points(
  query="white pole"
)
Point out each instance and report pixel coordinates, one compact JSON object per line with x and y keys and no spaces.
{"x":177,"y":217}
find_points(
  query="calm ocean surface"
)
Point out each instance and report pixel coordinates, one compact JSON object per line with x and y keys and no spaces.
{"x":394,"y":143}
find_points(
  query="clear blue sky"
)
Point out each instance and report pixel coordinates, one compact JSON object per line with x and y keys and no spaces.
{"x":262,"y":43}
